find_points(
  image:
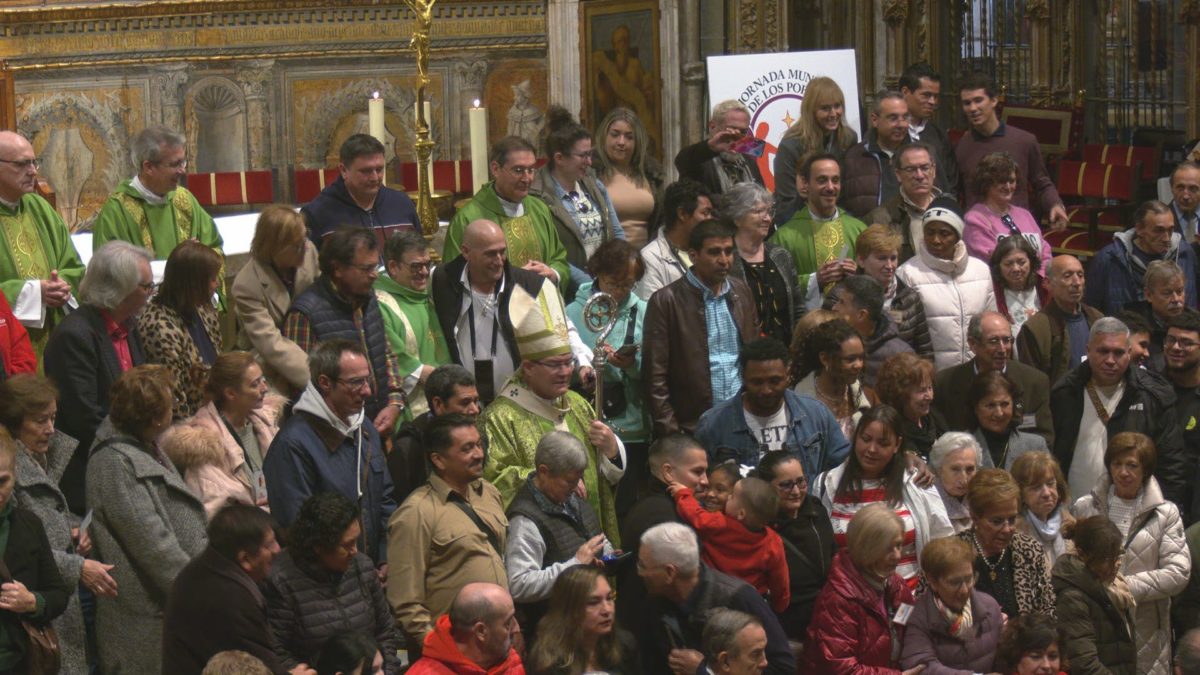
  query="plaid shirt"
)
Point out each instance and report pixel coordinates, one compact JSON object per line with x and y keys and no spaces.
{"x":723,"y":341}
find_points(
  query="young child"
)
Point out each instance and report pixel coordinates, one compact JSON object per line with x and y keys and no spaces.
{"x":738,"y":541}
{"x":721,"y":479}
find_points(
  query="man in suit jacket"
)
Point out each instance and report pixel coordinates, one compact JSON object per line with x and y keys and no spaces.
{"x":93,"y":346}
{"x":989,"y":336}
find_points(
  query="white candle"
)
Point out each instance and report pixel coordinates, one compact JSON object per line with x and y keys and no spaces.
{"x":478,"y":119}
{"x":375,"y":117}
{"x":429,"y":122}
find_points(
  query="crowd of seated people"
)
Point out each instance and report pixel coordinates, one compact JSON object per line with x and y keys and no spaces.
{"x":865,"y":424}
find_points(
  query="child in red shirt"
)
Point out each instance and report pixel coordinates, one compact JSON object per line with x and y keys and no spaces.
{"x":738,"y":541}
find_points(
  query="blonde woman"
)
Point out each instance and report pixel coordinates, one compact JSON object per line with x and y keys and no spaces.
{"x":821,"y":127}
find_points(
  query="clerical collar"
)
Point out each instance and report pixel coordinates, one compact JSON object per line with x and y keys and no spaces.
{"x":145,"y":192}
{"x":823,"y":219}
{"x":12,"y":206}
{"x":511,"y":209}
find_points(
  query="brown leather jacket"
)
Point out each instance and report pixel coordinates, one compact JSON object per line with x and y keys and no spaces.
{"x":675,"y":351}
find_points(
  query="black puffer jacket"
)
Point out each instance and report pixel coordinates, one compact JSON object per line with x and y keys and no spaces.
{"x":808,"y":545}
{"x":1097,"y":637}
{"x":907,"y":314}
{"x":306,"y":606}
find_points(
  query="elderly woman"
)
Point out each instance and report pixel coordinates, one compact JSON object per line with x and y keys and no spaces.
{"x":321,"y":585}
{"x":953,"y":285}
{"x":834,"y":360}
{"x":283,"y":264}
{"x":28,"y":406}
{"x":146,"y":522}
{"x":1029,"y":645}
{"x":996,"y":217}
{"x":179,"y":326}
{"x":820,"y":128}
{"x":225,"y":464}
{"x":547,"y":503}
{"x":1017,"y":281}
{"x":807,"y":533}
{"x":862,"y":581}
{"x":992,"y":400}
{"x":1156,"y":562}
{"x":579,"y":633}
{"x":905,"y":382}
{"x":624,"y":162}
{"x":954,"y":627}
{"x":1010,"y":565}
{"x":768,"y":269}
{"x":1045,"y":500}
{"x":1093,"y":603}
{"x":954,"y":460}
{"x":877,"y":251}
{"x":875,"y":472}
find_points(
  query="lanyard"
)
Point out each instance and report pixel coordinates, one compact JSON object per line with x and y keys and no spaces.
{"x":495,"y":322}
{"x":1101,"y":411}
{"x":1012,"y":226}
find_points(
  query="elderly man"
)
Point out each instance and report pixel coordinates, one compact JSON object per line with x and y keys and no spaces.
{"x":917,"y":172}
{"x":1164,"y":297}
{"x":93,"y":346}
{"x":1185,"y":200}
{"x":921,"y":86}
{"x":528,"y":226}
{"x":39,"y":267}
{"x":685,"y":204}
{"x":152,"y":209}
{"x":714,"y":162}
{"x":1103,"y":396}
{"x":359,"y":197}
{"x":475,"y":636}
{"x":411,"y":324}
{"x":449,"y":389}
{"x":550,"y":527}
{"x":870,"y":175}
{"x":858,"y":299}
{"x":734,"y":643}
{"x":448,"y":533}
{"x":820,"y":236}
{"x":1055,"y":339}
{"x":1118,"y":270}
{"x":989,"y":336}
{"x":683,"y":592}
{"x":329,"y":445}
{"x":342,"y":305}
{"x":473,"y":296}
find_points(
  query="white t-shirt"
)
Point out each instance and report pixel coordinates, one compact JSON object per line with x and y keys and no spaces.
{"x":771,"y":432}
{"x":1087,"y":462}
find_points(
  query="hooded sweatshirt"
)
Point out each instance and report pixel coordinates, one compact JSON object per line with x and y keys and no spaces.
{"x":334,"y":207}
{"x":1123,"y":272}
{"x":442,"y":657}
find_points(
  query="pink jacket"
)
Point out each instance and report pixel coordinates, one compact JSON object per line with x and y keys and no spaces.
{"x":984,"y":229}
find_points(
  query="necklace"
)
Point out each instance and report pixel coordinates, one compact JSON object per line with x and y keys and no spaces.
{"x":834,"y":403}
{"x":991,"y":568}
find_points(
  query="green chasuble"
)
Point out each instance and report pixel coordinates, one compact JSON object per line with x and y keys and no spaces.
{"x":530,"y":236}
{"x":414,"y":334}
{"x":33,"y":241}
{"x":513,"y":433}
{"x":813,"y":243}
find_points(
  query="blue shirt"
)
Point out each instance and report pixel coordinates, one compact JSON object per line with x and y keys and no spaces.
{"x":723,"y":341}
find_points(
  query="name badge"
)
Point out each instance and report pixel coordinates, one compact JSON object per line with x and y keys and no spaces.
{"x":258,"y":483}
{"x":1028,"y":422}
{"x":902,"y":613}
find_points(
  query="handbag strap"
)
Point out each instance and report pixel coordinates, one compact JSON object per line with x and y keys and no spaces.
{"x":483,"y":527}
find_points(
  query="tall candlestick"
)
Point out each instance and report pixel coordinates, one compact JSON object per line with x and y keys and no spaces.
{"x":375,"y":117}
{"x":478,"y":119}
{"x":429,"y":123}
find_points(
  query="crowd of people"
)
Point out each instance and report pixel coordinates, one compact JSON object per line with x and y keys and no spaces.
{"x":866,"y":423}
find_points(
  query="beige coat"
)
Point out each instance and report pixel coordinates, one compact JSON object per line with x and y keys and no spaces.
{"x":261,"y":301}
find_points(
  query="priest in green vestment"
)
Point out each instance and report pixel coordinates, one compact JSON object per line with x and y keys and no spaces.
{"x":412,"y":327}
{"x":529,"y":229}
{"x":820,"y":236}
{"x":39,"y":267}
{"x":536,"y":400}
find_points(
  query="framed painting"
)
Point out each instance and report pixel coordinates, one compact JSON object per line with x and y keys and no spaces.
{"x":621,"y":62}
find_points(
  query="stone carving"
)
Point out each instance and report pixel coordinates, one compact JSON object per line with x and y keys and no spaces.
{"x":524,"y":119}
{"x":895,"y":11}
{"x":471,"y":74}
{"x":1038,"y":10}
{"x":217,"y":126}
{"x":169,"y":80}
{"x":256,"y":78}
{"x":316,"y":139}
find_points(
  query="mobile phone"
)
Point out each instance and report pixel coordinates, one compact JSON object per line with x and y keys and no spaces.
{"x":615,"y":557}
{"x":749,"y":145}
{"x":629,"y":349}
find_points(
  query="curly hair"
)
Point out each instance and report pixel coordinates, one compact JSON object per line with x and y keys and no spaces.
{"x":320,"y":524}
{"x":899,"y":375}
{"x":826,"y":339}
{"x":140,"y":397}
{"x":614,"y":257}
{"x":801,"y":333}
{"x":993,"y":169}
{"x":1024,"y":634}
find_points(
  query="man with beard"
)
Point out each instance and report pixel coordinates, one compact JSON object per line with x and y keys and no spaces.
{"x":1055,"y":339}
{"x":1164,"y":291}
{"x":1118,"y":270}
{"x":1181,"y":349}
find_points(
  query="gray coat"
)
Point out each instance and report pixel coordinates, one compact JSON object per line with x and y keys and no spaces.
{"x":37,"y":491}
{"x":1019,"y":443}
{"x":148,"y":524}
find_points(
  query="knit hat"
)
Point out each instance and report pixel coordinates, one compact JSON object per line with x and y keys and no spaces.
{"x":944,"y":210}
{"x":540,"y":324}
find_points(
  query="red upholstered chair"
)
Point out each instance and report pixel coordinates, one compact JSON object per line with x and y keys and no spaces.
{"x":1100,"y":200}
{"x":1126,"y":155}
{"x":232,"y":188}
{"x":308,"y":183}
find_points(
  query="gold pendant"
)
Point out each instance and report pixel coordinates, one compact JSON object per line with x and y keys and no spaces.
{"x":992,"y":573}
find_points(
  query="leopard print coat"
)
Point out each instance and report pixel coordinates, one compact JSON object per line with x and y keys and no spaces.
{"x":166,"y":341}
{"x":1031,"y":576}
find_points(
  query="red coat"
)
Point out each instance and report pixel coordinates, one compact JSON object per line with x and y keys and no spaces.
{"x":442,"y":657}
{"x":849,"y":632}
{"x":16,"y":351}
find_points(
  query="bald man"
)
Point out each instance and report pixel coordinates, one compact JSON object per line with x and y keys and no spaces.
{"x":1055,"y":339}
{"x":39,"y":267}
{"x":472,"y":295}
{"x":479,"y":630}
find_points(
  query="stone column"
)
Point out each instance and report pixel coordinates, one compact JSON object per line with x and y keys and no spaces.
{"x":169,"y":79}
{"x":566,"y":71}
{"x":469,"y":76}
{"x":692,"y":73}
{"x":255,"y":77}
{"x":668,"y":75}
{"x":895,"y":16}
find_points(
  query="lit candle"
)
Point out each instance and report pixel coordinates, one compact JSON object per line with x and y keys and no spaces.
{"x":479,"y":146}
{"x":375,"y":117}
{"x":429,"y":122}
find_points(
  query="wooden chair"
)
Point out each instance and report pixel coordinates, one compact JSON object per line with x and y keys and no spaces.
{"x":1057,"y":129}
{"x":1100,"y":198}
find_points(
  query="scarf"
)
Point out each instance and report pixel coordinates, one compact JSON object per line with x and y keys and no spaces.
{"x":959,"y":622}
{"x":314,"y":404}
{"x":952,"y":267}
{"x":1118,"y":591}
{"x":732,"y":169}
{"x":1048,"y":530}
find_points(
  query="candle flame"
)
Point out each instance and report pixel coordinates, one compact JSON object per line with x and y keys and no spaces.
{"x":375,"y":94}
{"x":476,"y":103}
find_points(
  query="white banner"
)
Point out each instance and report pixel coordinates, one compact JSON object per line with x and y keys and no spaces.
{"x":772,"y":87}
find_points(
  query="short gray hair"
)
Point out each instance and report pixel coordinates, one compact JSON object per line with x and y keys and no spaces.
{"x":953,"y":441}
{"x":112,"y":274}
{"x":1108,"y":326}
{"x":975,"y":325}
{"x":721,"y":631}
{"x":884,"y":95}
{"x":673,"y":544}
{"x":723,"y":108}
{"x":1161,"y":271}
{"x":146,"y":145}
{"x":561,"y":452}
{"x":743,"y":198}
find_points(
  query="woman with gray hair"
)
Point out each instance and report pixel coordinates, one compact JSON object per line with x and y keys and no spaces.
{"x":550,"y":527}
{"x":767,"y":269}
{"x":954,"y":459}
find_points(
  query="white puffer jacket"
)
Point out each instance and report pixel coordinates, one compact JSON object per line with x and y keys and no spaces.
{"x":952,"y":291}
{"x":1156,"y":566}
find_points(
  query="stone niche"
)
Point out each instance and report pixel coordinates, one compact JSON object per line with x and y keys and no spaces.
{"x":253,"y":86}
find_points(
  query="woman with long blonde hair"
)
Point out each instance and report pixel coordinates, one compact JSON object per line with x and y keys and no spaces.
{"x":821,"y":128}
{"x":634,"y":178}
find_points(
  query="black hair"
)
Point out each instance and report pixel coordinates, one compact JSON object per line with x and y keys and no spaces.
{"x":826,"y":338}
{"x":709,"y":229}
{"x":1136,"y":323}
{"x":561,"y":132}
{"x":340,"y":246}
{"x":345,"y":653}
{"x":729,"y":468}
{"x":807,"y":161}
{"x":762,"y":349}
{"x":359,"y":145}
{"x":893,"y":473}
{"x":402,"y":242}
{"x":442,"y":382}
{"x":768,"y":466}
{"x":911,"y":78}
{"x":1189,"y":320}
{"x":868,"y":295}
{"x":439,"y":433}
{"x":978,"y":80}
{"x":238,"y":528}
{"x":685,"y":194}
{"x":322,"y":520}
{"x":1023,"y":634}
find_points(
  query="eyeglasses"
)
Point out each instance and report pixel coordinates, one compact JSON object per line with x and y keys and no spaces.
{"x":581,"y":156}
{"x":176,"y":165}
{"x":521,"y":170}
{"x":356,"y":383}
{"x":418,"y":267}
{"x":1171,"y":340}
{"x":1001,"y":522}
{"x":763,"y":211}
{"x":789,"y":485}
{"x":997,"y":341}
{"x":23,"y":164}
{"x":366,"y":269}
{"x":962,"y":582}
{"x":558,"y":365}
{"x":919,"y":168}
{"x":147,"y":286}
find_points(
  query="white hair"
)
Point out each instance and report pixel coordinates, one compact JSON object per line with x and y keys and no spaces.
{"x":112,"y":274}
{"x":146,"y":145}
{"x":673,"y":544}
{"x":1108,"y":325}
{"x":952,"y":441}
{"x":723,"y":108}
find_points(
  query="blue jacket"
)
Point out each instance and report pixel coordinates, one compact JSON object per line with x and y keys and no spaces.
{"x":814,"y":437}
{"x":308,"y":456}
{"x":1114,"y":283}
{"x":334,"y":207}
